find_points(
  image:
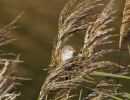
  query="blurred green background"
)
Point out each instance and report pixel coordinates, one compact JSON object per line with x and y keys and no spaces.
{"x":35,"y":37}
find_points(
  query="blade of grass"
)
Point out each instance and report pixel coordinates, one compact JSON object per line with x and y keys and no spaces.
{"x":125,"y":95}
{"x":108,"y":74}
{"x":109,"y":95}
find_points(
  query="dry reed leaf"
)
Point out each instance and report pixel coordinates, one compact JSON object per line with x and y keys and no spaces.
{"x":124,"y":30}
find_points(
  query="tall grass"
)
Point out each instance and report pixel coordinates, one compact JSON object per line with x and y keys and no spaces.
{"x":77,"y":15}
{"x":7,"y":79}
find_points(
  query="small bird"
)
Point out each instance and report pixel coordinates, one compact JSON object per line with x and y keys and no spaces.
{"x":67,"y":52}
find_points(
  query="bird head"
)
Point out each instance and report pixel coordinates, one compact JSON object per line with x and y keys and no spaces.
{"x":67,"y":52}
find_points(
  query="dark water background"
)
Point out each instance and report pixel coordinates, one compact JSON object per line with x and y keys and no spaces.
{"x":35,"y":37}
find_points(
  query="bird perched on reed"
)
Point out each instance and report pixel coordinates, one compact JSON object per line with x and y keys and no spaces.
{"x":67,"y":52}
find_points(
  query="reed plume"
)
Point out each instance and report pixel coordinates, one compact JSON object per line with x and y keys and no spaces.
{"x":77,"y":15}
{"x":7,"y":79}
{"x":65,"y":76}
